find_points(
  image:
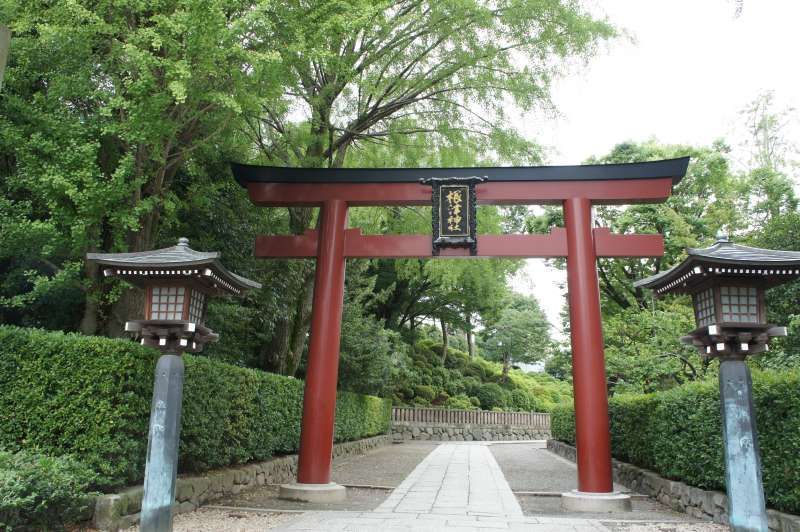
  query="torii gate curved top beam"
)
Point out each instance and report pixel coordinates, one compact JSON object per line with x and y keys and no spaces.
{"x":674,"y":169}
{"x":577,"y":188}
{"x":271,"y":186}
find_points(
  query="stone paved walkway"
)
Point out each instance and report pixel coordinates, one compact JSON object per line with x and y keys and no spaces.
{"x":461,"y":487}
{"x":456,"y":487}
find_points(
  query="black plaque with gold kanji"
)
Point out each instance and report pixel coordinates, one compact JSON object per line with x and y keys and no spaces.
{"x":454,"y":212}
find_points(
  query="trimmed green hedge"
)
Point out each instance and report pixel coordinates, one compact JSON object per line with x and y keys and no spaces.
{"x":42,"y":492}
{"x":678,"y":433}
{"x":90,"y":397}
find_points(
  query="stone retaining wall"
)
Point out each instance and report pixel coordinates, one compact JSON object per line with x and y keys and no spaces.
{"x":703,"y":504}
{"x":121,"y":510}
{"x":465,"y":432}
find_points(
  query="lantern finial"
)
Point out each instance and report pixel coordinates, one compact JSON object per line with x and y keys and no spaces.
{"x":183,"y":241}
{"x":722,"y":235}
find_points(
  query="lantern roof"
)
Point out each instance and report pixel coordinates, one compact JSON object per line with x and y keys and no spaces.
{"x":178,"y":261}
{"x":770,"y":267}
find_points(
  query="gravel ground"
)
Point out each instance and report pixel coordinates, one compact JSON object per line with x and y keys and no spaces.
{"x":385,"y":466}
{"x":267,"y":497}
{"x":527,"y":468}
{"x":208,"y":520}
{"x":643,"y":509}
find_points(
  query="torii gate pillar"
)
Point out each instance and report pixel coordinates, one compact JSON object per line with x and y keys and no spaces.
{"x":592,"y":436}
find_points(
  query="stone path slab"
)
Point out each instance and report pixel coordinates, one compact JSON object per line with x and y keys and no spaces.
{"x":457,"y":480}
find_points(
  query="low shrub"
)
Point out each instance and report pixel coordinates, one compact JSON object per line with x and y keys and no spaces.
{"x":562,"y":424}
{"x":459,"y":402}
{"x":90,"y":397}
{"x":456,"y":359}
{"x":475,"y":369}
{"x":491,"y":396}
{"x":678,"y":433}
{"x":425,"y":392}
{"x":522,"y":401}
{"x":40,"y":492}
{"x":441,"y":398}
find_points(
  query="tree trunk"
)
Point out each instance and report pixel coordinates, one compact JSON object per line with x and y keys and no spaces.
{"x":444,"y":341}
{"x":470,"y":346}
{"x":301,"y":326}
{"x":506,"y":366}
{"x":91,"y":308}
{"x":283,"y":352}
{"x":130,"y":305}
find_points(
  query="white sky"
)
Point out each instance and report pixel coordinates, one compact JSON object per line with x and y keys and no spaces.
{"x":691,"y":70}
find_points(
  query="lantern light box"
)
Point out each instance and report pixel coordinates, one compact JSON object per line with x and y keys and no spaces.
{"x":178,"y":282}
{"x":727,"y":283}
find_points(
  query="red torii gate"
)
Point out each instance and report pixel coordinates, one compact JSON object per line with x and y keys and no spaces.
{"x":577,"y":188}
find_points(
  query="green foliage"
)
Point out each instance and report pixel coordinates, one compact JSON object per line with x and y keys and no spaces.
{"x":782,"y":301}
{"x":367,"y":349}
{"x":69,"y":394}
{"x":424,"y":392}
{"x":643,"y":348}
{"x":464,"y":383}
{"x":90,"y":397}
{"x":562,"y":423}
{"x":459,"y":402}
{"x":520,"y":333}
{"x":491,"y":395}
{"x":678,"y":434}
{"x":360,"y":416}
{"x":103,"y":105}
{"x":39,"y":492}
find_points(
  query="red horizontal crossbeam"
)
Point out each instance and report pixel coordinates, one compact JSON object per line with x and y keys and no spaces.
{"x":609,"y":245}
{"x":494,"y":193}
{"x":549,"y":245}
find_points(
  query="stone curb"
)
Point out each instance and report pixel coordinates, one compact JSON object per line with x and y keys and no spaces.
{"x":116,"y":511}
{"x":696,"y":502}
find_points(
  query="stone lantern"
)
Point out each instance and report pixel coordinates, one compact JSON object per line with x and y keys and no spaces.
{"x":727,"y":282}
{"x":178,"y":282}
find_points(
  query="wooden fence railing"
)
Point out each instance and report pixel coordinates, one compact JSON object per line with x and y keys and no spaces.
{"x":472,"y":417}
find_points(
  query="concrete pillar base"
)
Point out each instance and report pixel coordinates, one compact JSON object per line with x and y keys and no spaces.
{"x":581,"y":501}
{"x":330,"y":492}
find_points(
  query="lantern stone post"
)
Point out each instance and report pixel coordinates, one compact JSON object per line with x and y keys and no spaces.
{"x":161,"y":467}
{"x":178,"y":282}
{"x":727,"y":284}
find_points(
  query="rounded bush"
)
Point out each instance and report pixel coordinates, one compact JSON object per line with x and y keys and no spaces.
{"x":491,"y":395}
{"x":460,"y":402}
{"x":424,"y":392}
